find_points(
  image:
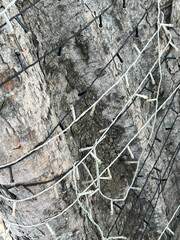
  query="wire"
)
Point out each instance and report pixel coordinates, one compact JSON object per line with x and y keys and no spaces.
{"x":21,"y":12}
{"x":126,"y":105}
{"x":58,"y":176}
{"x":45,"y":142}
{"x":92,"y":152}
{"x":153,"y":167}
{"x":50,"y":219}
{"x":7,"y":7}
{"x":167,"y":226}
{"x":58,"y":47}
{"x":169,"y":165}
{"x":159,"y":50}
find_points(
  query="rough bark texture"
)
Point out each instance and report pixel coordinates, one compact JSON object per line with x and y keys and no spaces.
{"x":32,"y":104}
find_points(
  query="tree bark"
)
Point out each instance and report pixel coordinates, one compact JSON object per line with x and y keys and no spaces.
{"x":32,"y":104}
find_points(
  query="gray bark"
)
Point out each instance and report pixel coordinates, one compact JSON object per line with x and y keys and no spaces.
{"x":32,"y":104}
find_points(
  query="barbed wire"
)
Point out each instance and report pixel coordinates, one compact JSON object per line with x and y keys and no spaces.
{"x":143,"y":163}
{"x":92,"y":152}
{"x":6,"y":187}
{"x":20,"y":13}
{"x":150,"y":202}
{"x":8,"y":5}
{"x":60,"y":46}
{"x":152,"y":206}
{"x":41,"y":144}
{"x":45,"y":142}
{"x":117,"y":82}
{"x":171,"y":230}
{"x":76,"y":200}
{"x":3,"y":13}
{"x":151,"y":171}
{"x":124,"y":148}
{"x":164,"y":179}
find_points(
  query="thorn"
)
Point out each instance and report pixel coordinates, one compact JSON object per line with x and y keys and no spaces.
{"x":100,"y":21}
{"x":150,"y":90}
{"x":96,"y":158}
{"x":171,"y":58}
{"x":56,"y":192}
{"x":172,"y":44}
{"x":60,"y":51}
{"x":85,"y":149}
{"x":82,"y":93}
{"x":165,"y":30}
{"x":174,"y":110}
{"x":50,"y":230}
{"x":130,"y":152}
{"x":152,"y":100}
{"x":137,"y":49}
{"x":103,"y":130}
{"x":168,"y":128}
{"x":168,"y":235}
{"x":159,"y":179}
{"x":152,"y":79}
{"x":142,"y":96}
{"x":87,"y":201}
{"x":136,"y":188}
{"x":87,"y":182}
{"x":115,"y":204}
{"x":92,"y":193}
{"x":73,"y":112}
{"x":11,"y":174}
{"x":137,"y":32}
{"x":92,"y":110}
{"x":105,"y":178}
{"x":164,"y":106}
{"x":167,"y":25}
{"x":77,"y":174}
{"x":163,"y":180}
{"x":14,"y":210}
{"x":158,"y":139}
{"x":157,"y":169}
{"x":127,"y":81}
{"x":124,"y":3}
{"x":120,"y":59}
{"x":20,"y":59}
{"x":170,"y":230}
{"x":85,"y":193}
{"x":132,"y":162}
{"x":61,"y":126}
{"x":63,"y":185}
{"x":112,"y":208}
{"x":146,"y":222}
{"x":109,"y":174}
{"x":22,"y":25}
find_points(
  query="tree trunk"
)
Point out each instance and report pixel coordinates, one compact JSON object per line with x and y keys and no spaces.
{"x":33,"y":103}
